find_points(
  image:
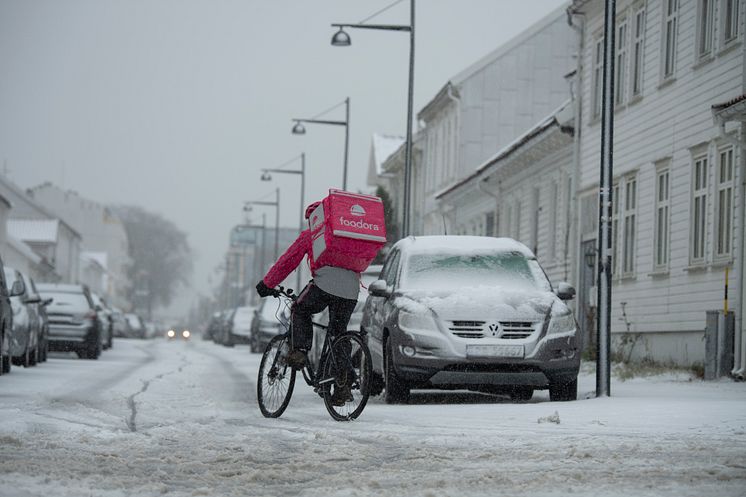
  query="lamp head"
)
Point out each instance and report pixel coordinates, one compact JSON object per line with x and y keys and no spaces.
{"x":266,"y":176}
{"x":299,"y":129}
{"x":341,"y":38}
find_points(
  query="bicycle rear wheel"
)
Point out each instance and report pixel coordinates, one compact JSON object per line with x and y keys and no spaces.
{"x":346,"y":376}
{"x":276,"y":380}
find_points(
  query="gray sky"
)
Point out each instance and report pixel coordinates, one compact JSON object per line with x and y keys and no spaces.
{"x":175,"y":105}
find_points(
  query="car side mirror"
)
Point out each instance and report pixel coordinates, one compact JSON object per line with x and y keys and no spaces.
{"x":379,"y":288}
{"x":17,"y":289}
{"x":565,"y":291}
{"x":99,"y":308}
{"x":47,"y":301}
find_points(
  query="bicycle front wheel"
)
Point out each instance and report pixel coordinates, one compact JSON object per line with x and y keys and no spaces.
{"x":346,"y":376}
{"x":274,"y":387}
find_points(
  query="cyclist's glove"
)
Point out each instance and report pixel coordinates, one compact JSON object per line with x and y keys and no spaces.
{"x":263,"y":290}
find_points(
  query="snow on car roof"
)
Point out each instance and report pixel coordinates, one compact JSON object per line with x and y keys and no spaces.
{"x":462,"y":244}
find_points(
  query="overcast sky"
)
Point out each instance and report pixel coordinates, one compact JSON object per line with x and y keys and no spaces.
{"x":175,"y":105}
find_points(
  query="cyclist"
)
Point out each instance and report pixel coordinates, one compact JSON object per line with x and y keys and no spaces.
{"x":332,"y":287}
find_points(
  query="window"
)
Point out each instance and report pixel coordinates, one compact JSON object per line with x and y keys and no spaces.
{"x":621,"y":62}
{"x":615,"y":201}
{"x":662,"y":218}
{"x":638,"y":44}
{"x":535,"y":210}
{"x":489,"y":224}
{"x":517,"y":227}
{"x":630,"y":211}
{"x":699,"y":211}
{"x":704,"y":28}
{"x":598,"y":76}
{"x":730,"y":20}
{"x":508,"y":221}
{"x":670,"y":24}
{"x":724,"y":203}
{"x":554,"y":220}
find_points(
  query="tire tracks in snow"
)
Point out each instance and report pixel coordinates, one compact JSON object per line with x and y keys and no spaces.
{"x":132,"y":403}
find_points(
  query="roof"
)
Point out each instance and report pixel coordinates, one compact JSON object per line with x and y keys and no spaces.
{"x":100,"y":258}
{"x":60,"y":287}
{"x":458,"y":79}
{"x":460,"y":244}
{"x":383,"y":147}
{"x":34,"y":230}
{"x":24,"y":249}
{"x":6,"y":202}
{"x":732,"y":110}
{"x":558,"y":118}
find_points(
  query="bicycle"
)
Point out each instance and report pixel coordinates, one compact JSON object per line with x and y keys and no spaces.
{"x":344,"y":360}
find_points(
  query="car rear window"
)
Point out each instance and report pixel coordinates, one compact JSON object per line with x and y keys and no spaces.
{"x":67,"y":302}
{"x":433,"y":271}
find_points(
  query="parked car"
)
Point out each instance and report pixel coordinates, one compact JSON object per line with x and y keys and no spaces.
{"x":213,"y":326}
{"x":119,"y":323}
{"x":7,"y":291}
{"x":103,"y":315}
{"x":26,"y":334}
{"x":477,"y":313}
{"x":226,"y":325}
{"x":73,"y":324}
{"x":240,"y":330}
{"x":135,"y":326}
{"x":270,"y":320}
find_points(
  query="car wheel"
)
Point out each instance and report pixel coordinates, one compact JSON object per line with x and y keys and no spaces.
{"x":521,"y":394}
{"x":564,"y":391}
{"x":395,"y":391}
{"x":34,"y":356}
{"x":93,"y":350}
{"x":228,"y":342}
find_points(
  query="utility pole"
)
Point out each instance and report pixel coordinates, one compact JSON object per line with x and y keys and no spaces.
{"x":603,"y":365}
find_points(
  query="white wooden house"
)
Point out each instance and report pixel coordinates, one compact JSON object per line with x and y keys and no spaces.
{"x":678,"y":182}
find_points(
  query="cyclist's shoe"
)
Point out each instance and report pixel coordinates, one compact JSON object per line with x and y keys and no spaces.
{"x":296,"y":359}
{"x":341,"y":396}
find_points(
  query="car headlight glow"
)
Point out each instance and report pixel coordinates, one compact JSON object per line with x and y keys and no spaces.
{"x":171,"y":333}
{"x":186,"y":334}
{"x":561,"y":323}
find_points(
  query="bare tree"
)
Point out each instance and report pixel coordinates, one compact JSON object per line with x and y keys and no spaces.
{"x":160,"y":254}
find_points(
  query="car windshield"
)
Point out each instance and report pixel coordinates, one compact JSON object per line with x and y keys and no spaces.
{"x":67,"y":302}
{"x":10,"y":278}
{"x":436,"y":271}
{"x":269,"y":311}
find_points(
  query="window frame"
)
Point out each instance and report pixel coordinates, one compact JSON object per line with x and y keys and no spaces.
{"x":724,"y":191}
{"x":597,"y":76}
{"x":698,"y":216}
{"x":670,"y":17}
{"x":637,"y":52}
{"x":705,"y":32}
{"x":662,"y":219}
{"x":629,"y":225}
{"x":621,"y":56}
{"x":734,"y":23}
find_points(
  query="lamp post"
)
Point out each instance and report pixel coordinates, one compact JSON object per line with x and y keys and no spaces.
{"x":266,"y":176}
{"x":342,"y":39}
{"x":299,"y":129}
{"x":276,"y":204}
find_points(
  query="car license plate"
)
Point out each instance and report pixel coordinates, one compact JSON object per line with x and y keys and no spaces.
{"x":494,"y":351}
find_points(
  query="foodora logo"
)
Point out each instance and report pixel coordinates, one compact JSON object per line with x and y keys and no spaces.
{"x":360,"y":224}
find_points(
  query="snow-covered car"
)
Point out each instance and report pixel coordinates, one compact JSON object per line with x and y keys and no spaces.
{"x":271,"y":319}
{"x":103,"y":314}
{"x":135,"y":326}
{"x":72,"y":320}
{"x":26,"y":337}
{"x":466,"y":312}
{"x":240,"y":330}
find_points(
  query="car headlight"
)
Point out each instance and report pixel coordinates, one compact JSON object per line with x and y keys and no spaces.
{"x":171,"y":333}
{"x":186,"y":334}
{"x":561,"y":323}
{"x":411,"y":321}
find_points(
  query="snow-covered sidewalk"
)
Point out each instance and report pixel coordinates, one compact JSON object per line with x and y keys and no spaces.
{"x":155,"y":418}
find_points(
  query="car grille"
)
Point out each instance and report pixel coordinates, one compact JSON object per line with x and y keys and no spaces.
{"x":480,"y":329}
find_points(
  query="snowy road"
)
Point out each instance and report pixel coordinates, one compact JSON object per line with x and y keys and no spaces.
{"x":155,"y":418}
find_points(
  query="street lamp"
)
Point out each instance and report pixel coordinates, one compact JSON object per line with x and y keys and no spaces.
{"x":342,"y":39}
{"x":247,"y":207}
{"x":266,"y":176}
{"x":299,"y":129}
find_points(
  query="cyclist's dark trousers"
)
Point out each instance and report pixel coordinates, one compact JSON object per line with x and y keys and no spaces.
{"x":313,"y":300}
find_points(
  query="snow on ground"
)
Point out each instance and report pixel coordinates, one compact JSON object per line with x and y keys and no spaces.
{"x":180,"y":418}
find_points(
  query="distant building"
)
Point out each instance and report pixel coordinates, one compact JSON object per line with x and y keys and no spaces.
{"x":102,"y":232}
{"x":56,"y":242}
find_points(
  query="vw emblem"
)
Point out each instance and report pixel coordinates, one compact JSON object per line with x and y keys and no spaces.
{"x":494,"y":329}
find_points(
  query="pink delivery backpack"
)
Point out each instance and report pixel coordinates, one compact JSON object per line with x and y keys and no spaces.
{"x":347,"y":230}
